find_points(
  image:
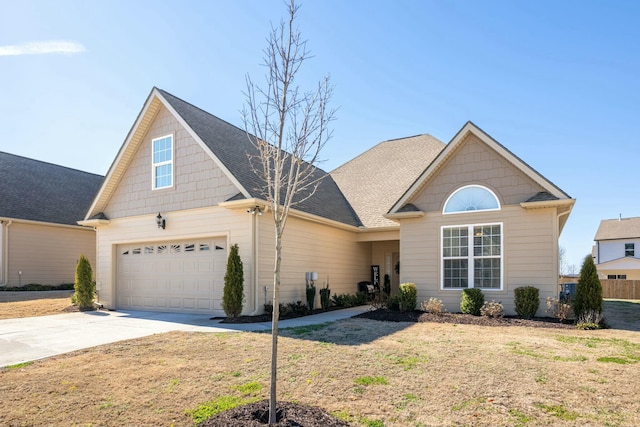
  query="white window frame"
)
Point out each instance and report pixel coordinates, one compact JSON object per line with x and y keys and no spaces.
{"x":446,"y":203}
{"x":470,"y":256}
{"x":154,"y":165}
{"x":629,"y":249}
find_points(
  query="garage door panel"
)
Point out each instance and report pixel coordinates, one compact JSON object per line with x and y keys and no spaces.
{"x":171,"y":276}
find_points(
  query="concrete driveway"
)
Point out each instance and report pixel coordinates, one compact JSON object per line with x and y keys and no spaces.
{"x":33,"y":338}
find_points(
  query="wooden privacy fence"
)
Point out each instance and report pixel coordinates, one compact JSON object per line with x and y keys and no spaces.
{"x":620,"y":289}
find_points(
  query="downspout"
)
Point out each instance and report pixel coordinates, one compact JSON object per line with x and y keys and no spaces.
{"x":557,"y":245}
{"x":254,"y":249}
{"x":5,"y":252}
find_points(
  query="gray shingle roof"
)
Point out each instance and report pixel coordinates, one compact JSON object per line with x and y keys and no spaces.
{"x":39,"y":191}
{"x":377,"y":178}
{"x":623,"y":228}
{"x":232,"y":147}
{"x":542,"y":196}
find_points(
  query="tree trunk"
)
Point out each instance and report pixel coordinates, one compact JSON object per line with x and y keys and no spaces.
{"x":274,"y":325}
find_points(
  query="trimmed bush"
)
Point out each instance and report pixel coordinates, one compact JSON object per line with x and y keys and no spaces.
{"x":408,"y":296}
{"x":471,"y":301}
{"x":587,"y":301}
{"x":311,"y":295}
{"x":84,"y":285}
{"x":433,"y":305}
{"x":233,"y":293}
{"x":492,"y":309}
{"x":527,"y":301}
{"x":325,"y":294}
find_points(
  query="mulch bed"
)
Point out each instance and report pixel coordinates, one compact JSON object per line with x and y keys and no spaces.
{"x":287,"y":415}
{"x":463,"y":319}
{"x":266,"y":317}
{"x":420,"y":316}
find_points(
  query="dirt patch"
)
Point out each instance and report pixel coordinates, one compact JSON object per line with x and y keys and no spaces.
{"x":287,"y":415}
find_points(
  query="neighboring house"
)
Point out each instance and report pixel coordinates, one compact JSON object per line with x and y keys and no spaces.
{"x":181,"y":190}
{"x":617,"y":249}
{"x":40,"y":204}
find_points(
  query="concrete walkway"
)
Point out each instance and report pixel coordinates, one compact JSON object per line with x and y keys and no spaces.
{"x":33,"y":338}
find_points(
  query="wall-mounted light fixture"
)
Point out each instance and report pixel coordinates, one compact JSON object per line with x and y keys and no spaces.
{"x":255,"y":210}
{"x":160,"y":222}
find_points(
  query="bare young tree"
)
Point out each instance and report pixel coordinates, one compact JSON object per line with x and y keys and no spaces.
{"x":562,"y":264}
{"x":288,"y":127}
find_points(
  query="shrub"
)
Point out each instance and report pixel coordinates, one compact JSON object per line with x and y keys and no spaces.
{"x":360,"y":298}
{"x":527,"y":301}
{"x":379,"y":300}
{"x":39,"y":287}
{"x":590,"y":319}
{"x":393,"y":302}
{"x":408,"y":296}
{"x":297,"y":308}
{"x":343,"y":300}
{"x":325,"y":294}
{"x":233,"y":293}
{"x":311,"y":295}
{"x":471,"y":301}
{"x":349,"y":300}
{"x":433,"y":305}
{"x":84,"y":285}
{"x":492,"y":309}
{"x":558,"y":309}
{"x":588,"y":298}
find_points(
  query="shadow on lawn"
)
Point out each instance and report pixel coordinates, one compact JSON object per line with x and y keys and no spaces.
{"x":350,"y":331}
{"x":622,"y":314}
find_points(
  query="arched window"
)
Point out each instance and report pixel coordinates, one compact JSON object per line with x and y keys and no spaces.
{"x":471,"y":198}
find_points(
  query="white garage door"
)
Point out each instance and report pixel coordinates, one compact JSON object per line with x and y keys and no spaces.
{"x":178,"y":276}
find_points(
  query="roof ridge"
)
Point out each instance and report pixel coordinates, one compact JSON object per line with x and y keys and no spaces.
{"x":50,"y":163}
{"x":164,"y":92}
{"x":383,"y":142}
{"x":621,"y":219}
{"x":407,"y":137}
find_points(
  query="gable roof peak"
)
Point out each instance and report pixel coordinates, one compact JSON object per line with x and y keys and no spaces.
{"x":228,"y":146}
{"x":456,"y":141}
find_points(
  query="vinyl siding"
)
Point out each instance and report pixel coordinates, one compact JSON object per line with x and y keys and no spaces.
{"x":47,"y":254}
{"x":529,"y":253}
{"x":308,"y":246}
{"x":476,"y":163}
{"x":198,"y":181}
{"x":609,"y":250}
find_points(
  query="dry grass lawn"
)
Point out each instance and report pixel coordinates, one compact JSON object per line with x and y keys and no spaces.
{"x":369,"y":373}
{"x":28,"y":304}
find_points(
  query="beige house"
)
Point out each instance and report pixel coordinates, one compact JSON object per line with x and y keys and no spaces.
{"x":181,"y":191}
{"x":40,"y":204}
{"x":617,"y":249}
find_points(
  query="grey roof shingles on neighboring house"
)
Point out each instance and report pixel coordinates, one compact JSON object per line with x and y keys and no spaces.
{"x":621,"y":228}
{"x":377,"y":178}
{"x":38,"y":191}
{"x":231,"y":145}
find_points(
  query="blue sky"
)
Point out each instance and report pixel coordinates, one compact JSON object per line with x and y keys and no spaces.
{"x":556,"y":82}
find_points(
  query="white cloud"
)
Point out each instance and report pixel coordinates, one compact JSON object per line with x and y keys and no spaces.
{"x":42,"y":47}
